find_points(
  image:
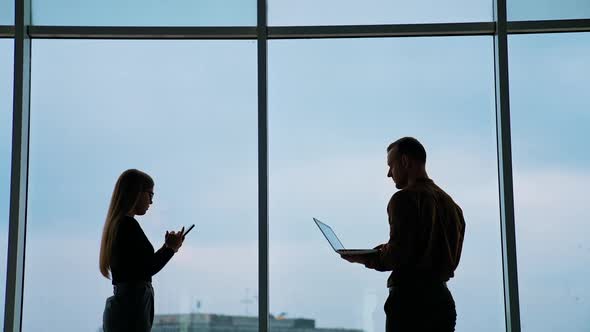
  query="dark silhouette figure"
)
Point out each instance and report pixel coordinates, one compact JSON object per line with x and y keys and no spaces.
{"x":127,"y":253}
{"x":424,"y":247}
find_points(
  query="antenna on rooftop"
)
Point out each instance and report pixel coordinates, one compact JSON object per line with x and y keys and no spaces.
{"x":247,"y":300}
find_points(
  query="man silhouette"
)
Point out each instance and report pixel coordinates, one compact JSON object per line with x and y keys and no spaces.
{"x":424,"y":247}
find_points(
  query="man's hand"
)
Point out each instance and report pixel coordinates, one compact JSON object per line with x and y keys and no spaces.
{"x":353,"y":258}
{"x":361,"y":259}
{"x":379,"y":247}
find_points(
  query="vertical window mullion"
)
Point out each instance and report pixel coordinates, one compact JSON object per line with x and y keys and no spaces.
{"x":19,"y":169}
{"x":506,"y":193}
{"x":263,"y":274}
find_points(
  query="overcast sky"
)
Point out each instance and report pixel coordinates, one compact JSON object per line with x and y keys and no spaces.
{"x":185,"y":112}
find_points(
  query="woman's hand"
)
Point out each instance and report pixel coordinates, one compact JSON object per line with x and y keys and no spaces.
{"x":173,"y":240}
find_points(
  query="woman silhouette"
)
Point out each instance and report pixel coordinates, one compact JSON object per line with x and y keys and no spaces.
{"x":128,"y":255}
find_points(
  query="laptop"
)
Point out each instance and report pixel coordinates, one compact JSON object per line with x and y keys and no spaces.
{"x":336,"y":244}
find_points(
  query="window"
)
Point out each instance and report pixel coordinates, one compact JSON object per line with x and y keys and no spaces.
{"x":184,"y":112}
{"x":350,"y":12}
{"x":522,"y":10}
{"x":334,"y":107}
{"x":6,"y":78}
{"x":550,"y":123}
{"x":144,"y":13}
{"x":6,"y":12}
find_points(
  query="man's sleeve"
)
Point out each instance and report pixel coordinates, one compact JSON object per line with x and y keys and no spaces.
{"x":460,"y":236}
{"x":401,"y":212}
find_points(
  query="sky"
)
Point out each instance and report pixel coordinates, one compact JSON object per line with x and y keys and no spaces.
{"x":185,"y":112}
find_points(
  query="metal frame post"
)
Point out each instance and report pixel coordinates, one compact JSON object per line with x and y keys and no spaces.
{"x":505,"y":185}
{"x":15,"y":270}
{"x":263,"y":274}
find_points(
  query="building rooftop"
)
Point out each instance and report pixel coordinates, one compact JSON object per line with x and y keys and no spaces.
{"x":215,"y":322}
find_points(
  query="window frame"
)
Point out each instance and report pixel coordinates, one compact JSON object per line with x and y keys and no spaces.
{"x":23,"y":31}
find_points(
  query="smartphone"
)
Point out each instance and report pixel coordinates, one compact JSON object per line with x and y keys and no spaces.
{"x":188,"y":230}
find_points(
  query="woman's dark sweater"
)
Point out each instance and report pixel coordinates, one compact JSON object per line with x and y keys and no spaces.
{"x":133,"y":258}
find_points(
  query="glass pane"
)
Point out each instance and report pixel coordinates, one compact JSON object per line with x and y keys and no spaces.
{"x":145,"y":13}
{"x":6,"y":86}
{"x":339,"y":12}
{"x":522,"y":10}
{"x":334,"y":107}
{"x":6,"y":12}
{"x":551,"y":125}
{"x":183,"y":111}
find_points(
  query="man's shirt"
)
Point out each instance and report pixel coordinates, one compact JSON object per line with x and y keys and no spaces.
{"x":425,"y":237}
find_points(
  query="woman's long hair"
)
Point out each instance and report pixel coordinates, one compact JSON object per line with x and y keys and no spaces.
{"x":129,"y":186}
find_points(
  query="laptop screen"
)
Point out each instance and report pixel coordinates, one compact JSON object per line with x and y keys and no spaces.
{"x":329,"y":234}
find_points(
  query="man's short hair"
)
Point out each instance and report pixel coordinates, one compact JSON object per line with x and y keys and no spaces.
{"x":410,"y":147}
